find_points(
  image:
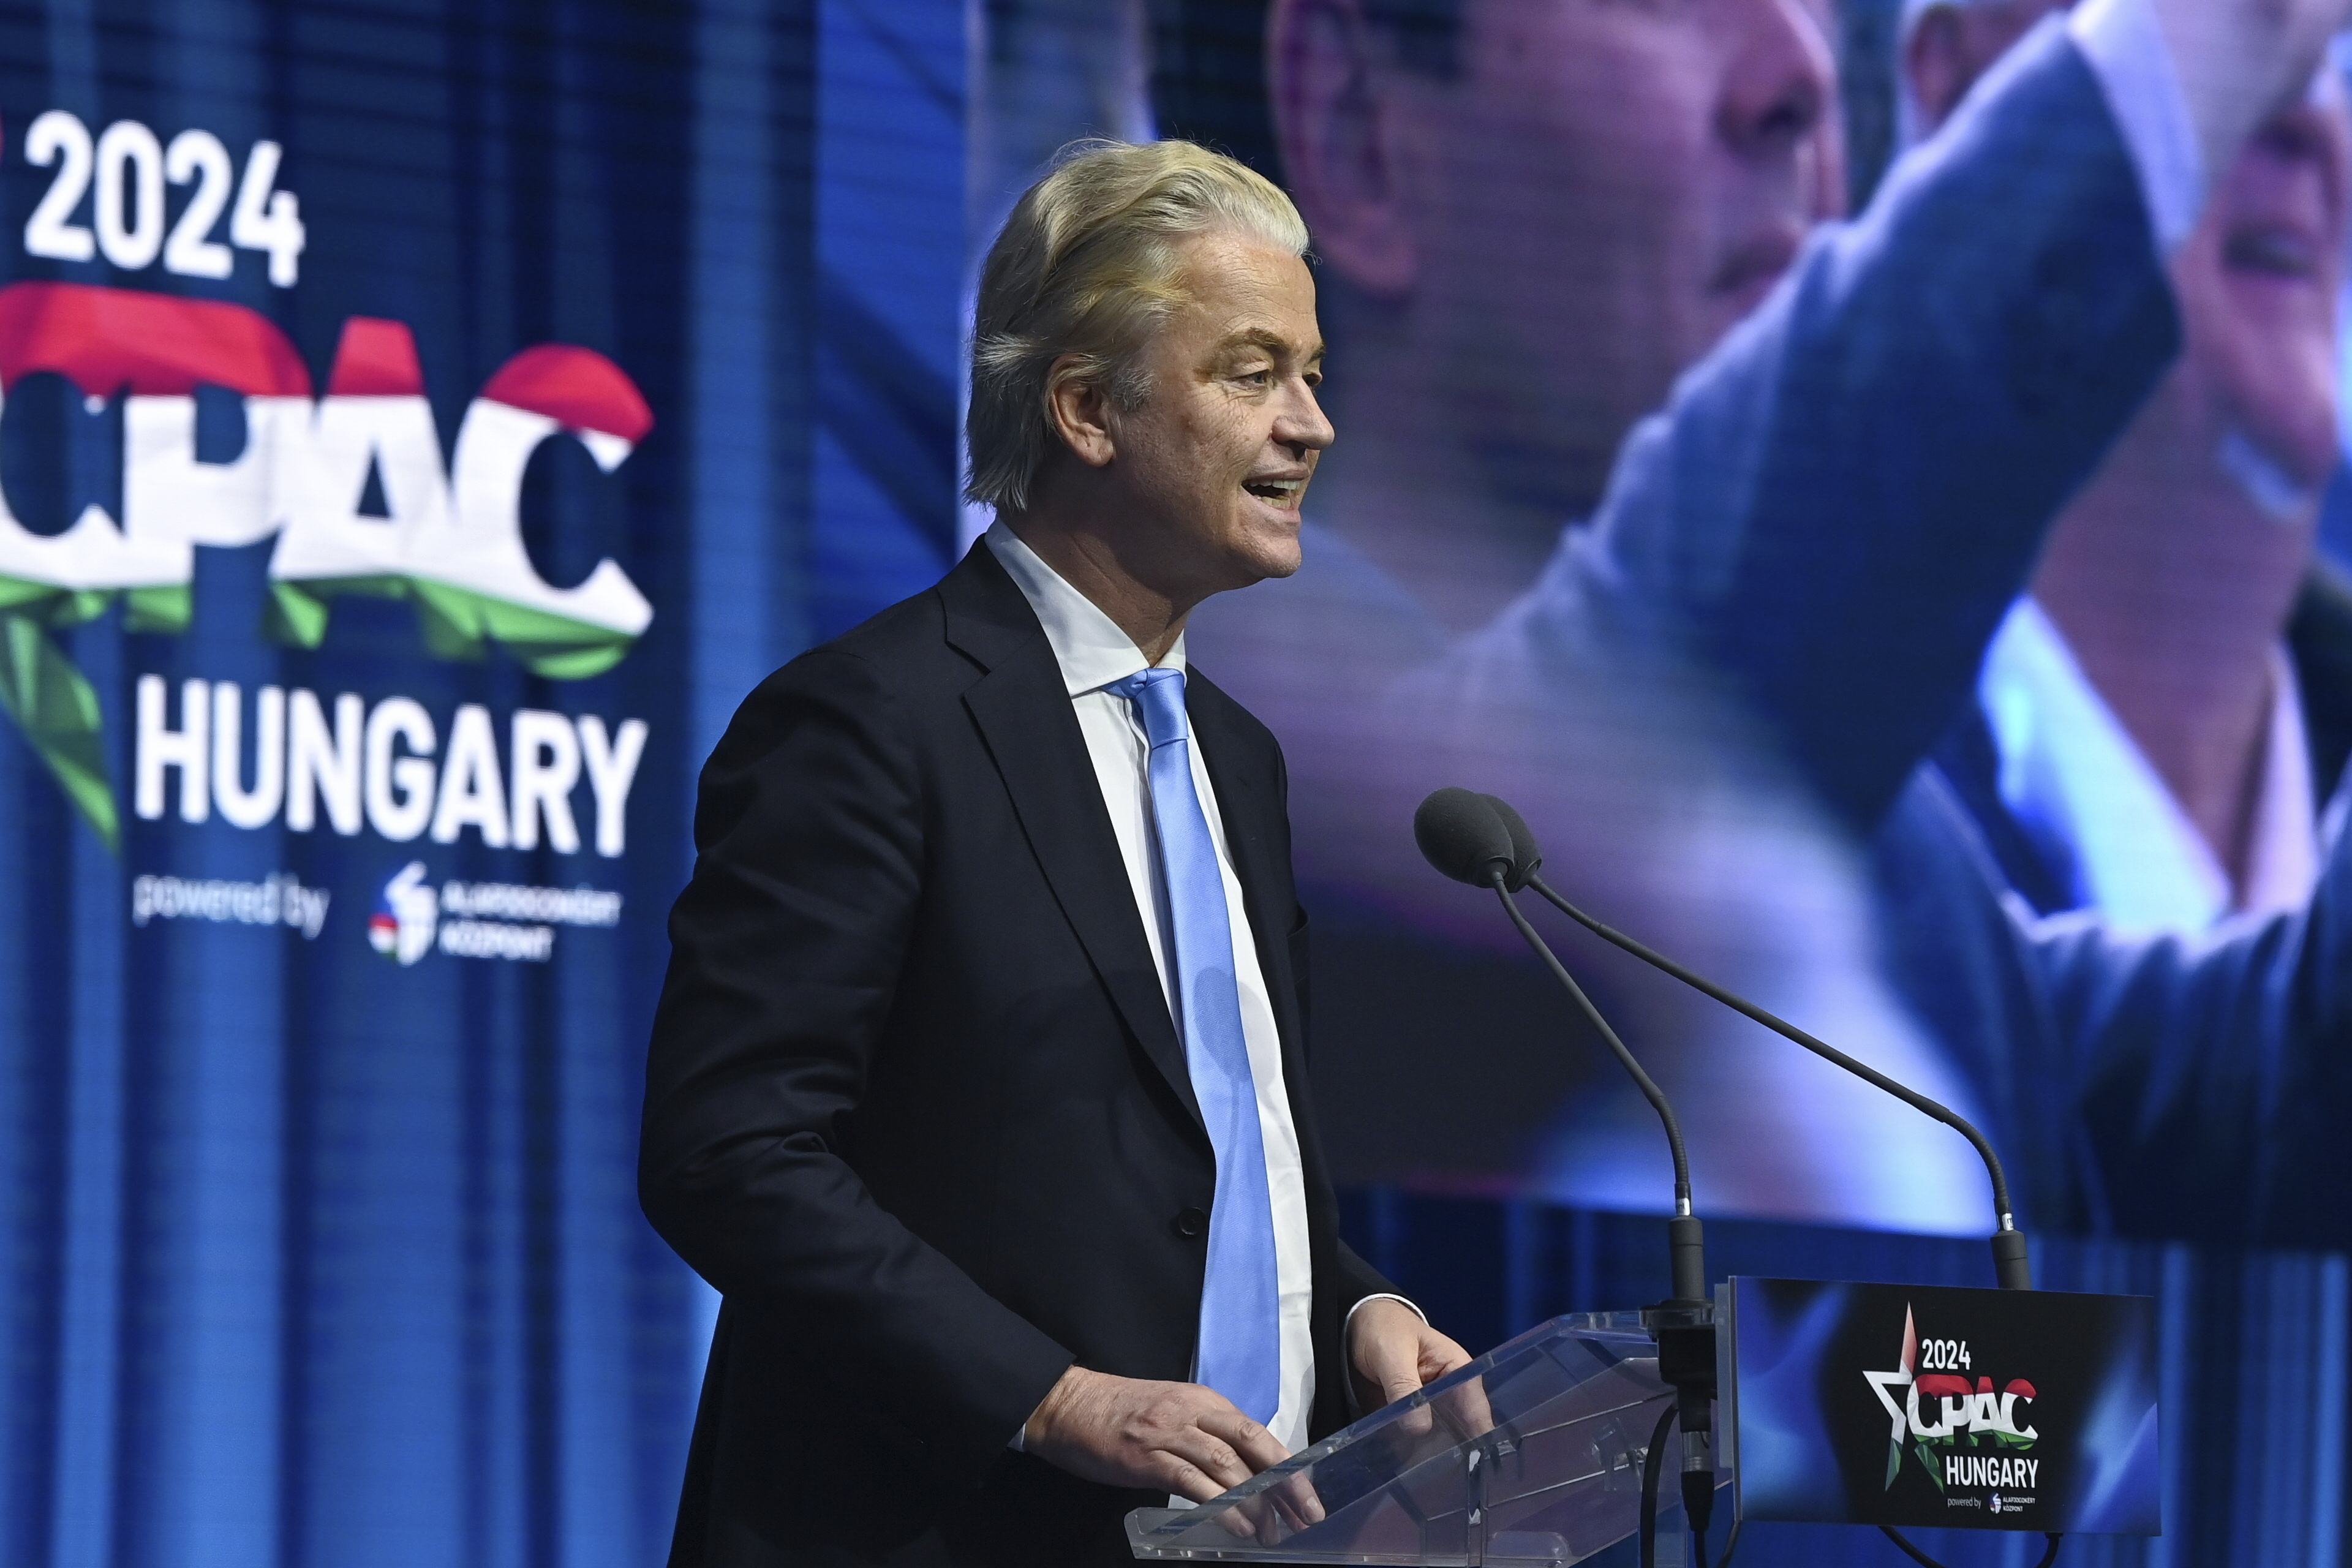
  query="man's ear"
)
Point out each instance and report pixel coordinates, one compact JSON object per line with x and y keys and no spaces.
{"x":1936,"y":66}
{"x":1952,"y":45}
{"x":1080,"y":412}
{"x":1335,"y":120}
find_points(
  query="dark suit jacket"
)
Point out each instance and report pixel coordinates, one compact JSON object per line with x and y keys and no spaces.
{"x":2180,"y":1088}
{"x":915,"y":1105}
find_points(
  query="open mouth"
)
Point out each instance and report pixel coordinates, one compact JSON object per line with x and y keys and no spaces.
{"x":1280,"y":493}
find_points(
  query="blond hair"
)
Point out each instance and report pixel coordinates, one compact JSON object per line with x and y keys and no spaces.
{"x":1086,"y":267}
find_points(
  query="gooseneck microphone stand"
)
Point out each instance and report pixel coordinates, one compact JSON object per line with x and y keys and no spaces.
{"x":1685,"y":1349}
{"x":2012,"y":1268}
{"x":1685,"y":1241}
{"x":1463,"y":835}
{"x":1493,"y":848}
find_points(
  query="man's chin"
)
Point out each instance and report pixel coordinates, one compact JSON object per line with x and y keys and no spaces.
{"x":1284,"y":567}
{"x":1280,"y":563}
{"x":2296,"y":429}
{"x":1267,"y":549}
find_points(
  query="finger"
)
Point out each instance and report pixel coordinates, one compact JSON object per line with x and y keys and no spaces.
{"x":1265,"y":1525}
{"x":1242,"y":1522}
{"x":1463,"y":1406}
{"x":1266,"y":1516}
{"x":1397,"y":1380}
{"x":1392,"y":1365}
{"x":1208,"y":1453}
{"x":1296,"y":1496}
{"x":1181,"y":1476}
{"x":1466,"y":1408}
{"x":1254,"y":1445}
{"x":1412,"y":1420}
{"x":1440,"y":1355}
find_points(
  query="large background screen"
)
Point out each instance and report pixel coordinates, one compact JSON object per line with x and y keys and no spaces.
{"x":420,"y":426}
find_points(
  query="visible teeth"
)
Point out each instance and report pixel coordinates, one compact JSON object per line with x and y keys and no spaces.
{"x":1276,"y":489}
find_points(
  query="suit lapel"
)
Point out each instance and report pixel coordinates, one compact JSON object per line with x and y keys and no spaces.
{"x":1023,"y":710}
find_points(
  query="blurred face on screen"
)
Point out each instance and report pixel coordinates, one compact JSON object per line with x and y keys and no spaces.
{"x":2173,"y":571}
{"x":1564,"y":203}
{"x":2258,"y":284}
{"x":1624,"y":182}
{"x":2257,"y":281}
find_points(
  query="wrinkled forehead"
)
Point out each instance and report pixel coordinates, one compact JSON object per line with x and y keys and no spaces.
{"x":1236,"y":281}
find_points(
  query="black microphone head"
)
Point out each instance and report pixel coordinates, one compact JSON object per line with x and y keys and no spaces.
{"x":1460,"y":834}
{"x":1526,"y":858}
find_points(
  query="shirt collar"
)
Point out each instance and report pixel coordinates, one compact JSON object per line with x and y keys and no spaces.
{"x":1090,"y":646}
{"x":2073,"y":775}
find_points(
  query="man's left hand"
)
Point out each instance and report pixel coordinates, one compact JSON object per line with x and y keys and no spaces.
{"x":1391,"y":1352}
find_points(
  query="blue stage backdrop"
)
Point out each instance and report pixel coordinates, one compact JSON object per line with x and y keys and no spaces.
{"x":420,"y":425}
{"x":410,"y":450}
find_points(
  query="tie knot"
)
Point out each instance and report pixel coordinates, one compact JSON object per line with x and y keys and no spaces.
{"x":1159,"y":698}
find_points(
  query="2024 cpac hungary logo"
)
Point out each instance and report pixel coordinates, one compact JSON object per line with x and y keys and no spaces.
{"x":1974,"y":1438}
{"x":452,"y":545}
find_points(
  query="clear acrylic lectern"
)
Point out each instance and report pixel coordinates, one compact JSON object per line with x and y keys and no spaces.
{"x":1532,"y":1454}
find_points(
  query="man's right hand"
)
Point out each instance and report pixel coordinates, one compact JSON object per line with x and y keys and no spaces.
{"x":1128,"y":1432}
{"x":2239,"y":61}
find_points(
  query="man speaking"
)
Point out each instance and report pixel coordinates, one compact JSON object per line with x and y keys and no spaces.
{"x":978,"y":1085}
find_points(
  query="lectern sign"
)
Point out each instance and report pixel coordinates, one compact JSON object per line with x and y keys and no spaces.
{"x":1924,"y":1406}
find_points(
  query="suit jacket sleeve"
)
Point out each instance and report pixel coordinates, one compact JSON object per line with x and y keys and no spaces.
{"x":1839,"y":503}
{"x":2191,"y":1088}
{"x":1358,"y":1279}
{"x":787,"y":947}
{"x":2210,"y":1070}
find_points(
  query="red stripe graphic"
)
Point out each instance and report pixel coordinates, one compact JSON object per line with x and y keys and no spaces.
{"x":111,"y":340}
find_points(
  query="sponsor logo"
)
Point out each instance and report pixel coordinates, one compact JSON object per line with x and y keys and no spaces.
{"x":402,"y":925}
{"x":481,"y":920}
{"x":1967,"y":1436}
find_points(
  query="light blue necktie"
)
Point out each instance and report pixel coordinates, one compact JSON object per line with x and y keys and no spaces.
{"x":1239,"y":1348}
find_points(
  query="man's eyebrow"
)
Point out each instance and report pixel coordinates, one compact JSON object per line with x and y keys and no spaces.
{"x":1272,"y":342}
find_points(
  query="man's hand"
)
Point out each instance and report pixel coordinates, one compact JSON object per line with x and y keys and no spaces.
{"x":1391,"y":1352}
{"x":1128,"y":1431}
{"x":2239,"y":61}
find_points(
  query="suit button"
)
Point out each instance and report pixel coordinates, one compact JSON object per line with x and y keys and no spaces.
{"x":1191,"y":1222}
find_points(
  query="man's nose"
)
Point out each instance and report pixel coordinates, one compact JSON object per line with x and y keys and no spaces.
{"x":1780,"y":77}
{"x":1302,"y":423}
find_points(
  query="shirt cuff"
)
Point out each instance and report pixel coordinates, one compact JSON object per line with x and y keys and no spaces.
{"x":2124,"y":46}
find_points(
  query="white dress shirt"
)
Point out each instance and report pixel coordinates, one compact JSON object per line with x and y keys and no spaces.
{"x":1094,"y":652}
{"x":2071,"y":773}
{"x":2124,"y":45}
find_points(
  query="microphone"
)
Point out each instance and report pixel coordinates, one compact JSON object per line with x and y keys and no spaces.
{"x":1464,"y":836}
{"x":2012,"y":1268}
{"x":1477,"y":839}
